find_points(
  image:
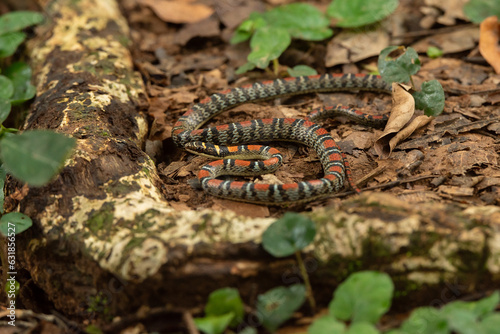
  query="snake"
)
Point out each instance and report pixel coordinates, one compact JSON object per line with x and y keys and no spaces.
{"x":245,"y":157}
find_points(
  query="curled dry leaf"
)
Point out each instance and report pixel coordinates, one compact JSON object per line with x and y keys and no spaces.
{"x":403,"y":108}
{"x":415,"y":124}
{"x":179,"y":11}
{"x":489,"y":37}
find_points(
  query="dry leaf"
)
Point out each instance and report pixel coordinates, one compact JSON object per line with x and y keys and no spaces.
{"x":489,"y":35}
{"x":450,"y":42}
{"x":417,"y":123}
{"x":452,"y":10}
{"x":403,"y":108}
{"x":179,"y":11}
{"x":241,"y":208}
{"x":351,"y":47}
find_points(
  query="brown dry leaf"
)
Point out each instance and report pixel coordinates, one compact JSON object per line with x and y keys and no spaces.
{"x":232,"y":13}
{"x":179,"y":11}
{"x":458,"y":159}
{"x":403,"y":108}
{"x":456,"y":191}
{"x":415,"y":124}
{"x":242,"y":208}
{"x":489,"y":36}
{"x":182,"y":97}
{"x":350,"y":47}
{"x":205,"y":28}
{"x":450,"y":42}
{"x":452,"y":10}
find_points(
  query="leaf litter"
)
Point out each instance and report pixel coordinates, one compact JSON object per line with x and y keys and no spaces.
{"x":454,"y":158}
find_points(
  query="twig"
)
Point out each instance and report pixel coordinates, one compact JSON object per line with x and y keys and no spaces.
{"x":188,"y":320}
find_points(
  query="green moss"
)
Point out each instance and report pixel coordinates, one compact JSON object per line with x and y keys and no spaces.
{"x":133,"y":243}
{"x":375,"y":248}
{"x":99,"y":304}
{"x":421,"y":242}
{"x":146,"y":220}
{"x":122,"y":188}
{"x":124,"y":41}
{"x":101,"y":220}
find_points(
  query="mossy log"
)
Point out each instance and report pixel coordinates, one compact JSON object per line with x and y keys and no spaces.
{"x":102,"y":227}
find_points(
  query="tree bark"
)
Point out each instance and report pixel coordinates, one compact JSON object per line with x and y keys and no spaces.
{"x":102,"y":227}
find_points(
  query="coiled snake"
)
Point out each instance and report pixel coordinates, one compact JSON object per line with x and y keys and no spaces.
{"x":206,"y":141}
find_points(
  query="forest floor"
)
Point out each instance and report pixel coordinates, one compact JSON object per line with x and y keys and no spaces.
{"x":184,"y":56}
{"x":453,"y":159}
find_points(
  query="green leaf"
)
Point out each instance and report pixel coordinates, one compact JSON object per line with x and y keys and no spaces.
{"x":240,"y":36}
{"x":478,"y":309}
{"x":478,"y":10}
{"x":301,"y":70}
{"x":363,"y":296}
{"x":245,"y":68}
{"x":6,"y":88}
{"x":18,"y":20}
{"x":425,"y":320}
{"x":362,"y":328}
{"x":215,"y":324}
{"x":431,"y":98}
{"x":326,"y":325}
{"x":486,"y":305}
{"x":289,"y":234}
{"x":399,"y":69}
{"x":491,"y":323}
{"x":35,"y":156}
{"x":15,"y":289}
{"x":20,"y":220}
{"x":301,"y":20}
{"x":357,"y":13}
{"x":5,"y":107}
{"x":277,"y":305}
{"x":20,"y":74}
{"x":268,"y":43}
{"x":9,"y":43}
{"x":434,"y":52}
{"x":248,"y":27}
{"x":223,"y":301}
{"x":461,"y":320}
{"x":3,"y":176}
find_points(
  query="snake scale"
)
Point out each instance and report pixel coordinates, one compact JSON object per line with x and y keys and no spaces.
{"x":212,"y":141}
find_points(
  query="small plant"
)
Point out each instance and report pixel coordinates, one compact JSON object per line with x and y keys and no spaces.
{"x":401,"y":67}
{"x":224,"y":309}
{"x":434,"y":52}
{"x":356,"y":308}
{"x":361,"y":299}
{"x":277,"y":305}
{"x":33,"y":156}
{"x":289,"y":235}
{"x":271,"y":33}
{"x":99,"y":304}
{"x":365,"y":296}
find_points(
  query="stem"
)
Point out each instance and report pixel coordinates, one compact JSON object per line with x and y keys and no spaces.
{"x":303,"y":271}
{"x":276,"y":66}
{"x":412,"y":83}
